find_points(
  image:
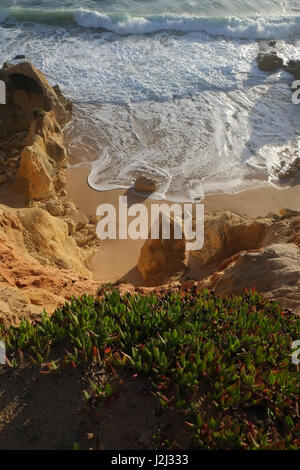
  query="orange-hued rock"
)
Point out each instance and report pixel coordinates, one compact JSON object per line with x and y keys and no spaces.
{"x":43,"y":259}
{"x":27,"y":88}
{"x":226,"y":233}
{"x":44,"y":159}
{"x":31,"y":123}
{"x":272,"y":268}
{"x":161,"y":258}
{"x":27,"y":287}
{"x":152,"y":262}
{"x":46,"y":238}
{"x":273,"y":271}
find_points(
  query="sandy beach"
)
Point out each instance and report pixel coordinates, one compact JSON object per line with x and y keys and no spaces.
{"x":115,"y":336}
{"x":117,"y":259}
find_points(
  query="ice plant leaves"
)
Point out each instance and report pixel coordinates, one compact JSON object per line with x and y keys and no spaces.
{"x":224,"y":363}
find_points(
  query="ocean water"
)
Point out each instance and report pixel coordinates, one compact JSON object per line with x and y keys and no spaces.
{"x":167,"y":88}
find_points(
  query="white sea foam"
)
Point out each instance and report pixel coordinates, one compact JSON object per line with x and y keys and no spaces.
{"x":279,"y":27}
{"x":191,"y":110}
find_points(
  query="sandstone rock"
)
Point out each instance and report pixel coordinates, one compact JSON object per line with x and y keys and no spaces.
{"x":55,"y":207}
{"x":27,"y":89}
{"x":70,"y":208}
{"x":32,"y":119}
{"x":27,"y":287}
{"x":226,"y":233}
{"x":35,"y":232}
{"x":41,"y":265}
{"x":284,"y":230}
{"x":43,"y":160}
{"x":86,"y":236}
{"x":60,"y":181}
{"x":288,"y":213}
{"x":152,"y":262}
{"x":273,"y":271}
{"x":35,"y":176}
{"x":71,"y":226}
{"x":143,"y":184}
{"x":161,"y":258}
{"x":269,"y":62}
{"x":68,"y":105}
{"x":94,"y":219}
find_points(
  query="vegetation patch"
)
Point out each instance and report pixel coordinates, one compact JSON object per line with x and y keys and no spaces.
{"x":224,"y":364}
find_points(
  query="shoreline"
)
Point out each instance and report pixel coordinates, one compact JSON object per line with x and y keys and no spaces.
{"x":117,"y":259}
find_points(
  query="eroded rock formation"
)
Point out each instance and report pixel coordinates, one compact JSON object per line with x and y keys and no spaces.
{"x":43,"y":258}
{"x":31,"y":123}
{"x":28,"y":286}
{"x":226,"y":233}
{"x":273,"y":271}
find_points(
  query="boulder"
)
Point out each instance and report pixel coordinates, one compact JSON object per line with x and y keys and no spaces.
{"x":71,"y":226}
{"x":269,"y":62}
{"x":143,"y":184}
{"x":70,"y":208}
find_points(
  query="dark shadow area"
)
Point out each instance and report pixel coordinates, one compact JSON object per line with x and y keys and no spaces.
{"x":134,"y":277}
{"x":132,"y":196}
{"x":13,"y":199}
{"x":49,"y":412}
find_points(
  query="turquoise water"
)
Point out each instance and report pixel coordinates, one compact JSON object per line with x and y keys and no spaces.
{"x":177,"y":7}
{"x":237,"y":18}
{"x":169,"y":88}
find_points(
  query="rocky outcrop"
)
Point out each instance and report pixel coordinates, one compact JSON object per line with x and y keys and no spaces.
{"x":269,"y":62}
{"x":31,"y":131}
{"x":162,"y":258}
{"x":262,"y":253}
{"x":43,"y":258}
{"x":267,"y":58}
{"x":43,"y":161}
{"x":293,"y":67}
{"x":27,"y":89}
{"x":46,"y":238}
{"x":41,"y":264}
{"x":226,"y":233}
{"x":272,"y":267}
{"x":273,"y":271}
{"x":27,"y":287}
